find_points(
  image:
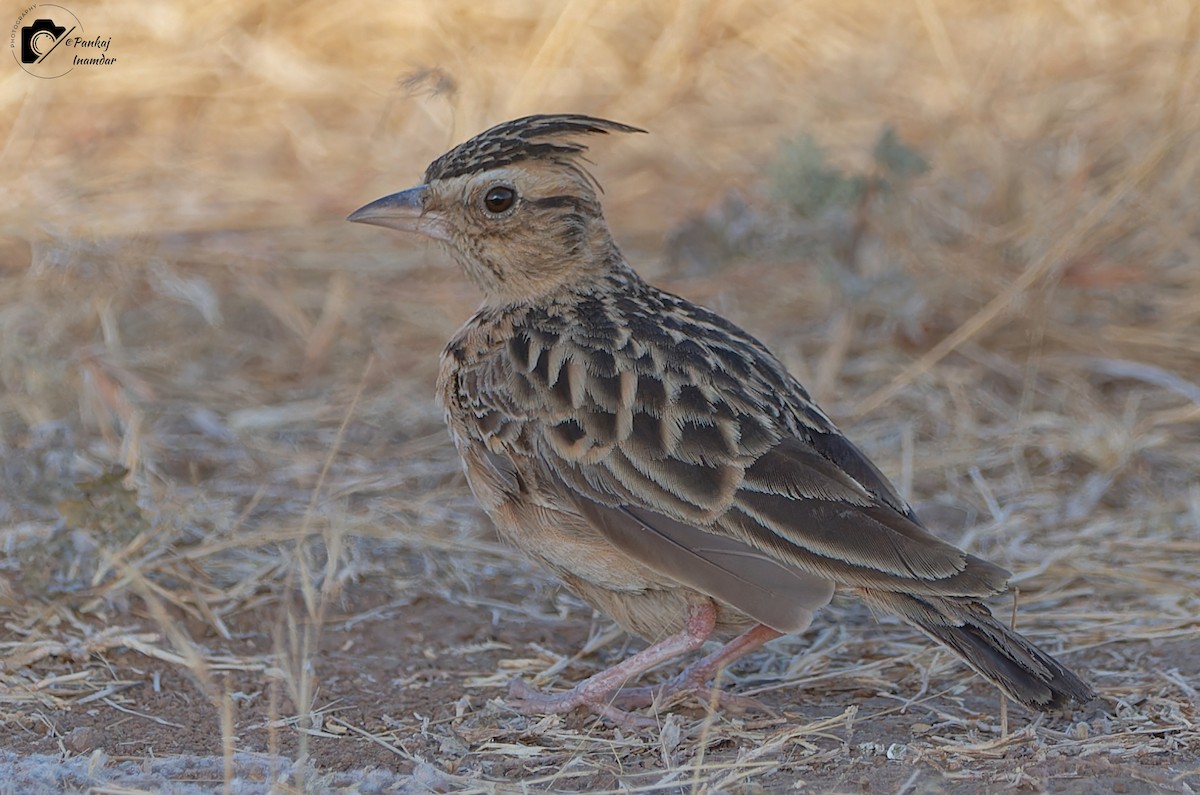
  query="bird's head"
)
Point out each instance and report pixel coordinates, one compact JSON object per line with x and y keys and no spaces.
{"x":515,"y":204}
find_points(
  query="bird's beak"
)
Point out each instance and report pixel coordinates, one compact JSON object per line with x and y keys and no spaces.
{"x":404,"y":211}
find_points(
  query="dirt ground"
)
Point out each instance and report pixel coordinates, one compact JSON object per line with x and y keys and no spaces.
{"x":412,"y":678}
{"x":238,"y":554}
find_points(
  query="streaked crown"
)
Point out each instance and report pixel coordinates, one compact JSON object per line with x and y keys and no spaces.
{"x":545,"y":137}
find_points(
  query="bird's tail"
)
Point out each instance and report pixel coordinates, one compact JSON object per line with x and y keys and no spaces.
{"x":1000,"y":655}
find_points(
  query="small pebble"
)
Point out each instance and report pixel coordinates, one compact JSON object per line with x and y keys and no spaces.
{"x":83,"y":739}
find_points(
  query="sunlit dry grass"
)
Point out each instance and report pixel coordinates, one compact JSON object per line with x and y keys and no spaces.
{"x":1015,"y":337}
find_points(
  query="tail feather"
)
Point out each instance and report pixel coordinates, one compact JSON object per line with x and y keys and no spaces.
{"x":1027,"y":674}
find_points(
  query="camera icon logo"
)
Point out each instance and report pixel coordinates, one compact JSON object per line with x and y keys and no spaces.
{"x":38,"y":39}
{"x":48,"y":40}
{"x":53,"y":42}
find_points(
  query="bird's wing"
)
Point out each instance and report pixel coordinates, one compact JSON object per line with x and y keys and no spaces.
{"x":670,"y":429}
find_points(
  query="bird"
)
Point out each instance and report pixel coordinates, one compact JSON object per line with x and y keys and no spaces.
{"x":655,"y":457}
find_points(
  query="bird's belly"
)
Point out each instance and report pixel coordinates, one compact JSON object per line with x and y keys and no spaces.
{"x":641,"y":601}
{"x":564,"y":543}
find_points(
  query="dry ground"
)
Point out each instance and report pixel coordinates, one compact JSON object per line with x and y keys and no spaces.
{"x":292,"y":590}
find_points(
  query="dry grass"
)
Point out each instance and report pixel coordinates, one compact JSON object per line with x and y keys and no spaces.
{"x":1015,"y":335}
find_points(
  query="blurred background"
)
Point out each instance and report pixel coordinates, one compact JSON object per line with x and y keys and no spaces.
{"x":973,"y":228}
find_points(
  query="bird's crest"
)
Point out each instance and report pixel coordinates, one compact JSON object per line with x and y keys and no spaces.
{"x":542,"y":137}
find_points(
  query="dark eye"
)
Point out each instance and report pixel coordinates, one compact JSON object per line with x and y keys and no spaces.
{"x":499,"y":199}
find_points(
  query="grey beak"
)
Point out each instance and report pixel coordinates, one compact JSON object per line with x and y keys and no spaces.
{"x":404,"y":211}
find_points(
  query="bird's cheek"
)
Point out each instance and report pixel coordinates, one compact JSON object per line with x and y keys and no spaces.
{"x":435,"y":225}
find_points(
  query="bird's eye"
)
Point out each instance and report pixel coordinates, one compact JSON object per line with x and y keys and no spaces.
{"x":499,"y":199}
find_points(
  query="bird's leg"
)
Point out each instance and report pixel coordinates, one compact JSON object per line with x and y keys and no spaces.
{"x":695,"y":678}
{"x":596,"y":690}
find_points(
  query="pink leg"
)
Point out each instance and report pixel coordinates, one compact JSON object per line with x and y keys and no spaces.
{"x":595,"y":691}
{"x":695,"y":678}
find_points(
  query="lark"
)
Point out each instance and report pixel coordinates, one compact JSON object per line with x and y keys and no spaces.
{"x":657,"y":458}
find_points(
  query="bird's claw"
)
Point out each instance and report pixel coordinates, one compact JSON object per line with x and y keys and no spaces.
{"x":530,"y":701}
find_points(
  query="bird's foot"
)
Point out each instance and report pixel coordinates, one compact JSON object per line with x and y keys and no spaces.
{"x":693,"y":681}
{"x":531,"y":701}
{"x":606,"y":695}
{"x":615,"y":705}
{"x":597,"y":691}
{"x":689,"y":686}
